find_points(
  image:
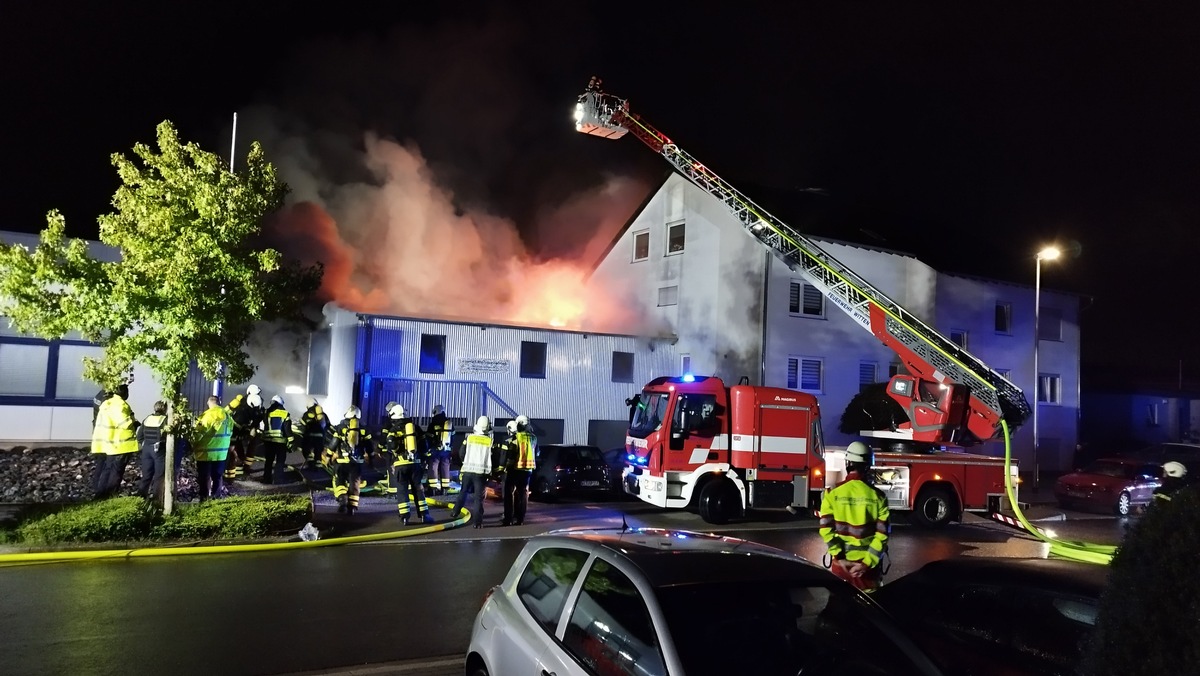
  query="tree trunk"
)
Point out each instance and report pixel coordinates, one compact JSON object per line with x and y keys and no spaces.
{"x":169,"y":470}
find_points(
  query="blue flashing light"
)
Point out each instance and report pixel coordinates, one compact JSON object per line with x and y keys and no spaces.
{"x":642,"y":460}
{"x":689,"y":378}
{"x":632,"y":457}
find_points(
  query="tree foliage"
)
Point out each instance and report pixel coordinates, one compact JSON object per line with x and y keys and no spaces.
{"x":192,"y":281}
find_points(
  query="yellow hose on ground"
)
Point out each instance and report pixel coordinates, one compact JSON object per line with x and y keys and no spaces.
{"x":1067,"y":549}
{"x":196,"y":550}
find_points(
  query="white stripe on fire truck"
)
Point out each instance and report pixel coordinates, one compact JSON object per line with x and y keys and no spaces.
{"x":797,"y":445}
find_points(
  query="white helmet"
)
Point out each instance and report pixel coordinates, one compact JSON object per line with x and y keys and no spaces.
{"x":312,"y":401}
{"x":396,"y":412}
{"x":482,"y":424}
{"x":1175,"y":470}
{"x":254,"y":400}
{"x":439,"y":409}
{"x":857,"y":451}
{"x":277,"y":399}
{"x":511,"y":427}
{"x":353,"y":412}
{"x":522,"y":421}
{"x":253,"y":389}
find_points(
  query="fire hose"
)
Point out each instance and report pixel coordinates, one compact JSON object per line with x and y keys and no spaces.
{"x":1074,"y":550}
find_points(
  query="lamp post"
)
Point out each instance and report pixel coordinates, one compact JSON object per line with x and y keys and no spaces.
{"x":1049,"y":253}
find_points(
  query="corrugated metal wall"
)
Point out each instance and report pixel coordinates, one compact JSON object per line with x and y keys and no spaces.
{"x":482,"y":373}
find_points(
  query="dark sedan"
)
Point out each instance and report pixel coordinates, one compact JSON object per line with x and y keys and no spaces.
{"x":1111,"y":485}
{"x":999,"y":617}
{"x":571,"y":469}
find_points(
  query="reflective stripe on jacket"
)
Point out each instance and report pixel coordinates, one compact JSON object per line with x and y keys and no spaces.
{"x":212,"y":439}
{"x":278,"y":425}
{"x":526,"y":444}
{"x":477,"y":454}
{"x":114,"y":430}
{"x":854,"y":521}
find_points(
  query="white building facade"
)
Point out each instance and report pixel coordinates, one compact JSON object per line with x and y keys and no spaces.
{"x":741,"y":312}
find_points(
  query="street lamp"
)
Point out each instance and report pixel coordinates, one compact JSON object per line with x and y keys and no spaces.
{"x":1049,"y":253}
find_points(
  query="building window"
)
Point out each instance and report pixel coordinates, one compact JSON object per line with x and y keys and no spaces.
{"x":675,"y":237}
{"x":39,"y":372}
{"x":804,"y":374}
{"x":685,"y":363}
{"x":1050,"y":324}
{"x":895,"y":368}
{"x":959,"y":338}
{"x":69,"y":382}
{"x":866,"y":374}
{"x":433,"y":353}
{"x":805,"y":300}
{"x":1003,"y":317}
{"x":1003,"y":372}
{"x":668,"y":295}
{"x":1049,"y":388}
{"x":641,"y":245}
{"x":320,"y":350}
{"x":622,"y":367}
{"x":1152,"y":415}
{"x":23,"y":369}
{"x":533,"y":359}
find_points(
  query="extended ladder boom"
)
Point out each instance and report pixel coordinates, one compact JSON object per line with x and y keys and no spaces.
{"x":926,"y":354}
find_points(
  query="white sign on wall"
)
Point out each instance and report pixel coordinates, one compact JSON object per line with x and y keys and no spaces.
{"x":477,"y":365}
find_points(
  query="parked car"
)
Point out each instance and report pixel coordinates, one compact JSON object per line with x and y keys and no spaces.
{"x":653,"y":602}
{"x":567,"y":469}
{"x":994,"y":617}
{"x":1111,"y":484}
{"x":1188,"y":454}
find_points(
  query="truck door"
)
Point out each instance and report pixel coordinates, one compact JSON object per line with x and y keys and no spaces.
{"x":696,"y":431}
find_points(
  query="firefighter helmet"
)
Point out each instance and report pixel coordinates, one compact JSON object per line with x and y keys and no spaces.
{"x":396,"y":412}
{"x":857,"y":451}
{"x":511,"y":427}
{"x":439,"y":409}
{"x":312,"y":401}
{"x":482,"y":424}
{"x":277,"y":399}
{"x":388,"y":407}
{"x":254,"y":400}
{"x":353,"y":412}
{"x":1175,"y":470}
{"x":522,"y":421}
{"x":253,"y":389}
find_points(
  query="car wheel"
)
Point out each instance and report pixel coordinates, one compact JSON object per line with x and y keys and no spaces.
{"x":719,"y":501}
{"x":479,"y":670}
{"x":541,"y":489}
{"x":1124,"y":504}
{"x":935,"y":507}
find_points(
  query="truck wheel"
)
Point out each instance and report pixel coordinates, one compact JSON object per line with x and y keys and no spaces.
{"x":935,"y":507}
{"x":719,"y":501}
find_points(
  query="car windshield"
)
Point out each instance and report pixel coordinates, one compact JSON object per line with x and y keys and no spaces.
{"x":779,"y":627}
{"x":648,"y":414}
{"x":589,"y":454}
{"x":1109,"y":468}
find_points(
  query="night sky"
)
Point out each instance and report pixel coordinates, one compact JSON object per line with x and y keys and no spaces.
{"x":968,"y":134}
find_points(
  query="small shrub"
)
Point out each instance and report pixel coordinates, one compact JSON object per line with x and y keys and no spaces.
{"x":114,"y":520}
{"x":239,"y":517}
{"x":1148,"y":615}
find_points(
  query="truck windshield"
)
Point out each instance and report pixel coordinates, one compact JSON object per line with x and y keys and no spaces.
{"x":648,"y":414}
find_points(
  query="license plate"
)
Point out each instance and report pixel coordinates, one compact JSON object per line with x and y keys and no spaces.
{"x":589,"y":484}
{"x":1076,"y":494}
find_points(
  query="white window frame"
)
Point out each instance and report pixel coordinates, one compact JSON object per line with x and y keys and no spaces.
{"x":1007,"y":308}
{"x":798,"y":362}
{"x":634,"y":256}
{"x":799,"y":287}
{"x":685,"y":364}
{"x":671,"y":226}
{"x":672,"y":293}
{"x":966,"y":338}
{"x":1049,"y":389}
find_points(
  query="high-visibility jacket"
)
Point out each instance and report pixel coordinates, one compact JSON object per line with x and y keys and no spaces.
{"x":477,"y":454}
{"x":213,"y":431}
{"x":115,"y":428}
{"x":527,"y":450}
{"x":401,"y":435}
{"x":854,"y":521}
{"x":277,"y":425}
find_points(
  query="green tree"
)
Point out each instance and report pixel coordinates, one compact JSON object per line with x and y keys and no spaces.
{"x":193,"y":281}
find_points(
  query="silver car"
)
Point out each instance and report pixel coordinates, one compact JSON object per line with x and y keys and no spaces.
{"x":650,"y":602}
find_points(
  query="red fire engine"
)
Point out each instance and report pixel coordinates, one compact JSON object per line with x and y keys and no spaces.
{"x":694,"y":442}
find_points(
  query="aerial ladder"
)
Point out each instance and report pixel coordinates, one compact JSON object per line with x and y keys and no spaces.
{"x":949,"y":395}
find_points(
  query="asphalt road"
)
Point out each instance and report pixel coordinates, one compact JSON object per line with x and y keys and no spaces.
{"x":402,"y":607}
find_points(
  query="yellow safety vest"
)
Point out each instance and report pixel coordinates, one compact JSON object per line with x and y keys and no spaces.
{"x":526,"y":450}
{"x":215,"y":427}
{"x":854,"y":522}
{"x":114,"y":433}
{"x":277,"y":423}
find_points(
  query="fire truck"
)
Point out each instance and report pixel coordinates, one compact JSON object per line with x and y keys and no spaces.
{"x":697,"y":443}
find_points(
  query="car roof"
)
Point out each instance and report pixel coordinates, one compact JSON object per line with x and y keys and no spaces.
{"x":1073,"y":577}
{"x":677,"y":557}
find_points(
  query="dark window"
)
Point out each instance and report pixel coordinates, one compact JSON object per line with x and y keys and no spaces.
{"x":641,"y":246}
{"x":895,"y":368}
{"x":622,"y":367}
{"x":1003,"y":318}
{"x":1050,"y":324}
{"x":1050,"y":388}
{"x":696,"y":414}
{"x":546,"y":582}
{"x":319,"y":346}
{"x":685,"y":363}
{"x":533,"y":359}
{"x":610,"y":630}
{"x":866,"y":374}
{"x":958,"y":337}
{"x":675,"y":236}
{"x":433,"y":353}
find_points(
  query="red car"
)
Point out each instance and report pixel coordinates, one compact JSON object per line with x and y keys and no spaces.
{"x":1110,"y":484}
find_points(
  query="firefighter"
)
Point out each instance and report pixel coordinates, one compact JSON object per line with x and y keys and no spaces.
{"x":438,"y":474}
{"x":247,"y":414}
{"x":403,"y":443}
{"x":152,"y":442}
{"x":521,"y":460}
{"x":315,"y":426}
{"x":477,"y":465}
{"x":276,"y":430}
{"x":113,"y":439}
{"x":854,"y":523}
{"x":351,"y":447}
{"x":1172,"y":481}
